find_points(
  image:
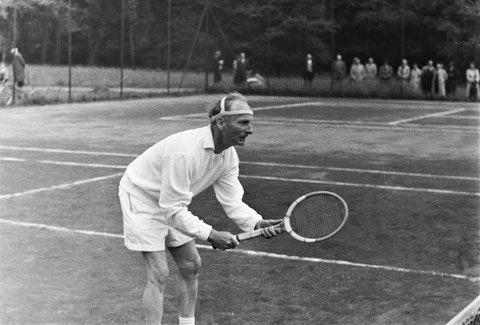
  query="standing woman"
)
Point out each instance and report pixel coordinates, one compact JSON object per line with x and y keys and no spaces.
{"x":441,"y":77}
{"x":415,"y":77}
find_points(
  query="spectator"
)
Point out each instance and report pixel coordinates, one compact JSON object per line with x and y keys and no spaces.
{"x":18,"y":66}
{"x":386,"y":72}
{"x":308,"y":74}
{"x":426,"y":78}
{"x":451,"y":85}
{"x":217,"y":67}
{"x":403,"y":71}
{"x":3,"y":73}
{"x":371,"y":69}
{"x":415,"y":77}
{"x":240,"y":77}
{"x":357,"y":70}
{"x":473,"y":80}
{"x":440,"y":79}
{"x":339,"y":70}
{"x":234,"y":68}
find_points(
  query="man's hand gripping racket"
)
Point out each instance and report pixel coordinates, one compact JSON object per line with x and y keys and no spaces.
{"x":311,"y":218}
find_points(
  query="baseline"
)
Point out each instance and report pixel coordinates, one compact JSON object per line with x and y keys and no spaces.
{"x":346,"y":124}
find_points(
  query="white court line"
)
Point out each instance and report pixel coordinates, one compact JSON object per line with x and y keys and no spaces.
{"x":339,"y":105}
{"x":382,"y":187}
{"x":357,"y":170}
{"x":61,"y":186}
{"x":461,"y":117}
{"x":386,"y":172}
{"x":352,"y":124}
{"x":296,"y":180}
{"x":204,"y":114}
{"x":78,"y":152}
{"x":12,"y":159}
{"x":59,"y":229}
{"x":426,"y":116}
{"x":71,"y":163}
{"x":353,"y":170}
{"x":256,"y":253}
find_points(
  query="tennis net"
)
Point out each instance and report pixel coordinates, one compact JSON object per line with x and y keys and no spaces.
{"x":469,"y":316}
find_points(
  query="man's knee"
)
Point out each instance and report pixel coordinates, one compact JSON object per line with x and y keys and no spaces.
{"x":190,"y":265}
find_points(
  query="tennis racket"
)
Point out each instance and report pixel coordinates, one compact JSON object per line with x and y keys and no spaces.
{"x":311,"y":218}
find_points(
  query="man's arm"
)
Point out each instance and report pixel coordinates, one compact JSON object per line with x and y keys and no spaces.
{"x":229,"y":193}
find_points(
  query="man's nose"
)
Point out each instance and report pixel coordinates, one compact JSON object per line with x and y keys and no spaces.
{"x":250,"y":129}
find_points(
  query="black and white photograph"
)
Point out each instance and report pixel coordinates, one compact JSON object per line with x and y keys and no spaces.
{"x":239,"y":162}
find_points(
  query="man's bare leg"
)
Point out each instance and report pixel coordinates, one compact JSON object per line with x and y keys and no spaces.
{"x":157,"y":274}
{"x":189,"y":263}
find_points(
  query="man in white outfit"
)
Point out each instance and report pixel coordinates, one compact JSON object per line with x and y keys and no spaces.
{"x":158,"y":187}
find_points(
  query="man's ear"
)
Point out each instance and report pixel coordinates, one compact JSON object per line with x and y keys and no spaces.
{"x":220,"y":123}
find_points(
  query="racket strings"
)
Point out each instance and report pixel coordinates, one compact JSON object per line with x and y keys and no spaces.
{"x":317,"y":216}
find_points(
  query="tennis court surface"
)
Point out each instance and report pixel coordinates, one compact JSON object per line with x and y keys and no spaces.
{"x":408,"y":170}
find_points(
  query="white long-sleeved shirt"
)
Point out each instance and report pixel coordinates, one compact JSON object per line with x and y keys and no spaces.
{"x":173,"y":171}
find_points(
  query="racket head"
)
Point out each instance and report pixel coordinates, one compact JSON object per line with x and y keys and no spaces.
{"x":316,"y":216}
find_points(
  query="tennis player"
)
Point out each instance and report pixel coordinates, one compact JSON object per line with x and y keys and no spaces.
{"x":157,"y":188}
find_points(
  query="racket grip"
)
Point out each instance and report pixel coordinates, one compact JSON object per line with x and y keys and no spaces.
{"x":255,"y":233}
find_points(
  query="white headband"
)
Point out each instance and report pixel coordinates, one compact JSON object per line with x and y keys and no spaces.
{"x":223,"y":112}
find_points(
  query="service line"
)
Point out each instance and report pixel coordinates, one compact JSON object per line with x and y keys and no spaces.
{"x":453,"y":111}
{"x":61,"y":186}
{"x":282,"y":179}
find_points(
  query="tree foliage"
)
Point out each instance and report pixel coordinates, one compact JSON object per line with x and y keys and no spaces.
{"x":274,"y":33}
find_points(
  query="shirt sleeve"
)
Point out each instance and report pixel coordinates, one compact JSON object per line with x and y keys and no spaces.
{"x":175,"y":196}
{"x":229,"y":193}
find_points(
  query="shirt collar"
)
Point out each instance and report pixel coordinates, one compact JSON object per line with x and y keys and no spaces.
{"x":208,"y":138}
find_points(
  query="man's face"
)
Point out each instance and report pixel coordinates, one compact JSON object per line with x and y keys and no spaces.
{"x":238,"y":127}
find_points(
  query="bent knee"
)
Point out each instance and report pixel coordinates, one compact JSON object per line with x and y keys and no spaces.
{"x":190,"y":266}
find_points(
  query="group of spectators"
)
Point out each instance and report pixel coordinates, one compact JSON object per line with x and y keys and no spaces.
{"x":438,"y":80}
{"x":431,"y":79}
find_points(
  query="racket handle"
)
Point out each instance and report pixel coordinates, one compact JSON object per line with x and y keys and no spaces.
{"x":256,"y":233}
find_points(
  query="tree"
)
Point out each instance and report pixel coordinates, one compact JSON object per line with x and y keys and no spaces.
{"x":275,"y":32}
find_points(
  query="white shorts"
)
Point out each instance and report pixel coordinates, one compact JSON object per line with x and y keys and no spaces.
{"x":145,"y":228}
